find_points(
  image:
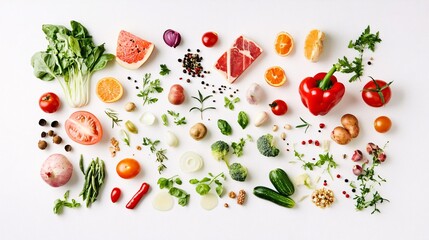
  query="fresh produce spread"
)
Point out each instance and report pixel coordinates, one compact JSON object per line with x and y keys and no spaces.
{"x":71,"y":58}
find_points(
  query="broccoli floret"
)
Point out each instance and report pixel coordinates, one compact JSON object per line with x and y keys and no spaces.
{"x":238,"y":172}
{"x":219,"y":151}
{"x":266,"y":146}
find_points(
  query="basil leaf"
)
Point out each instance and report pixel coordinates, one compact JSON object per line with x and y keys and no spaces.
{"x":224,"y":127}
{"x":243,"y":119}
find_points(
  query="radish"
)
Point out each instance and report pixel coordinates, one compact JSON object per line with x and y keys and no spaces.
{"x":56,"y":170}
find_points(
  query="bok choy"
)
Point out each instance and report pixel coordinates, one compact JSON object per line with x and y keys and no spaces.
{"x":71,"y":58}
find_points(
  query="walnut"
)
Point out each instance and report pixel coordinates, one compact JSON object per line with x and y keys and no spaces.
{"x":241,"y":197}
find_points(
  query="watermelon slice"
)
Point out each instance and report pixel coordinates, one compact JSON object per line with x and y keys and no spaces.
{"x":132,"y":51}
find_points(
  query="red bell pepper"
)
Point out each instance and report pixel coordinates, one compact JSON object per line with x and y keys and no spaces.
{"x":321,"y":92}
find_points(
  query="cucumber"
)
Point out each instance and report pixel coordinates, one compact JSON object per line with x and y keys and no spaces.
{"x":273,"y":196}
{"x":281,"y":182}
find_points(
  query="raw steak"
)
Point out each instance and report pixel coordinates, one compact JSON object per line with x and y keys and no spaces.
{"x":238,"y":58}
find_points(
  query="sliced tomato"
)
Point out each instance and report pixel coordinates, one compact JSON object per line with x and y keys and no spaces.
{"x":84,"y":128}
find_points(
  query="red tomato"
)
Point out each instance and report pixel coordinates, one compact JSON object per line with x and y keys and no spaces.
{"x":382,"y":124}
{"x":209,"y":39}
{"x":49,"y":102}
{"x":115,"y":194}
{"x":84,"y":128}
{"x":128,"y":168}
{"x":376,"y":93}
{"x":278,"y":107}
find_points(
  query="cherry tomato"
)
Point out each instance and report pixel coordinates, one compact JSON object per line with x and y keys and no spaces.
{"x":128,"y":168}
{"x":84,"y":128}
{"x":278,"y":107}
{"x":376,"y":93}
{"x":382,"y":124}
{"x":115,"y":194}
{"x":49,"y":102}
{"x":209,"y":39}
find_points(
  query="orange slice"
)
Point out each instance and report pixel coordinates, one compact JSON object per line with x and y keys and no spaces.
{"x":313,"y":47}
{"x":283,"y":44}
{"x":275,"y":76}
{"x":109,"y":89}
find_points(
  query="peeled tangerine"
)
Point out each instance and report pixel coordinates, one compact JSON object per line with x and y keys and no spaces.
{"x":313,"y":47}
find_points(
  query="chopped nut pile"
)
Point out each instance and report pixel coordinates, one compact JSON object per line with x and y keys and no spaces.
{"x":323,"y":197}
{"x":115,"y":147}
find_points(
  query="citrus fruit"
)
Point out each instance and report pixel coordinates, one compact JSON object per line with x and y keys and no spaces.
{"x":275,"y":76}
{"x":109,"y":89}
{"x":313,"y":47}
{"x":132,"y":51}
{"x":283,"y":44}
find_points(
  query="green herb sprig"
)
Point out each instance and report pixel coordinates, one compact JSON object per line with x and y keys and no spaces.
{"x":159,"y":153}
{"x":164,"y":70}
{"x":204,"y":185}
{"x":238,"y":147}
{"x":229,"y":103}
{"x":59,"y":204}
{"x":366,"y":40}
{"x":113,"y":115}
{"x":324,"y":160}
{"x":168,"y":183}
{"x":201,"y":99}
{"x":367,"y":195}
{"x":149,"y":87}
{"x":305,"y":125}
{"x":177,"y":119}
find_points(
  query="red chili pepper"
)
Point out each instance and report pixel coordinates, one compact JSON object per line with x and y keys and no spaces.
{"x":138,"y":196}
{"x":321,"y":93}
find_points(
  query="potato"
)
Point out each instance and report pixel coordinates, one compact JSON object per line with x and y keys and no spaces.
{"x":198,"y":131}
{"x":176,"y":95}
{"x":351,"y":123}
{"x":341,"y":136}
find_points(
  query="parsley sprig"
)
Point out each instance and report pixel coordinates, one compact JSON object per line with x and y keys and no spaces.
{"x":164,"y":70}
{"x":366,"y":40}
{"x":150,"y":87}
{"x":176,"y":116}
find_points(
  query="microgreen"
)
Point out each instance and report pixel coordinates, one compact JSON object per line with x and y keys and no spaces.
{"x":168,"y":183}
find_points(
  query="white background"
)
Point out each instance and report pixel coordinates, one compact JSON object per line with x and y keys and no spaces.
{"x":26,"y":201}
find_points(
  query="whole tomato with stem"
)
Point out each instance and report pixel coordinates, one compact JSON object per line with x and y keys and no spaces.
{"x":278,"y":107}
{"x":376,"y":93}
{"x":49,"y":102}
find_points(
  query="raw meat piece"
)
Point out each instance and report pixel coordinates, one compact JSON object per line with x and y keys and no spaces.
{"x":238,"y":58}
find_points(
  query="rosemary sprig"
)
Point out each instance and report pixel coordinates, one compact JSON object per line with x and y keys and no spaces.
{"x":201,"y":99}
{"x":113,"y":115}
{"x":159,"y":153}
{"x":305,"y":124}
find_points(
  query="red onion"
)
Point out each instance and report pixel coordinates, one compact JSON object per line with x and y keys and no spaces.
{"x":56,"y":170}
{"x":357,"y":156}
{"x":172,"y":38}
{"x":357,"y":170}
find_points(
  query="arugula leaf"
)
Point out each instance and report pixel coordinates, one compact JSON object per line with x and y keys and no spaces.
{"x":230,"y":103}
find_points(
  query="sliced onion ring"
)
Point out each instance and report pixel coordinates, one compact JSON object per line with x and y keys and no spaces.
{"x":191,"y":162}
